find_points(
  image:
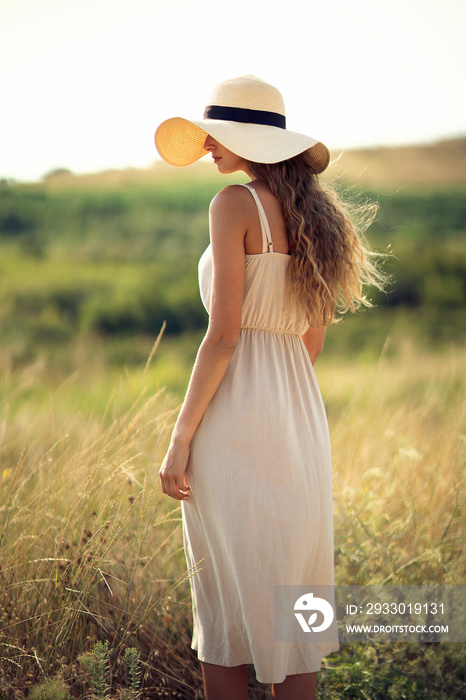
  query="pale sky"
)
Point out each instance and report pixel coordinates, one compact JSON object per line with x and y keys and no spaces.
{"x":84,"y":83}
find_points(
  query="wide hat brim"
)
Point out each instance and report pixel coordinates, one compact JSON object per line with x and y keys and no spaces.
{"x":180,"y":142}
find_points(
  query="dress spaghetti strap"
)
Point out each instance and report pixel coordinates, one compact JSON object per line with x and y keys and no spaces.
{"x":267,"y":244}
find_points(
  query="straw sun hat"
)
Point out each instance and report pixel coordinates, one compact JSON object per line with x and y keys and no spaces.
{"x":246,"y":115}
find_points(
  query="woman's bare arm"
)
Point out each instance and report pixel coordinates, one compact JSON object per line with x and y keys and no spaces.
{"x":227,"y":232}
{"x":313,"y":339}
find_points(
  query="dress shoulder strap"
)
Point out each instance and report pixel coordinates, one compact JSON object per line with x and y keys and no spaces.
{"x":267,"y":245}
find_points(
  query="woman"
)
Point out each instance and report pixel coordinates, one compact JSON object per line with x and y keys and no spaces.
{"x":249,"y":456}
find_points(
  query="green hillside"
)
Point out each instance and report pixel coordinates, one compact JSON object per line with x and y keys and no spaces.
{"x":115,"y":254}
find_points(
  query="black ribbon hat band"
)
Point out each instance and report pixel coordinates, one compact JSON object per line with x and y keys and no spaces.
{"x":246,"y":116}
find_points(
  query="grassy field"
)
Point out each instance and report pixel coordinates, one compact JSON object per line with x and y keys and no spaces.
{"x":90,"y":550}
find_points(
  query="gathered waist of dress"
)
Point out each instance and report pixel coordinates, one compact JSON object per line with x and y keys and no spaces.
{"x":270,"y":329}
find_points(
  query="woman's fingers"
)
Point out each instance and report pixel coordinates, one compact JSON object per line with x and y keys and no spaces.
{"x":172,"y":488}
{"x":173,"y":476}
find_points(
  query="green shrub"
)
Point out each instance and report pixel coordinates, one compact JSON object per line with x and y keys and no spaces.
{"x":50,"y":690}
{"x":96,"y":662}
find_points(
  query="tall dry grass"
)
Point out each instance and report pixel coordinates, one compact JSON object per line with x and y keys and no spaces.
{"x":90,"y":549}
{"x":398,"y":437}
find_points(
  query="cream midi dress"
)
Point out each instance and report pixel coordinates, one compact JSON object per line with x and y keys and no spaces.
{"x":259,"y":512}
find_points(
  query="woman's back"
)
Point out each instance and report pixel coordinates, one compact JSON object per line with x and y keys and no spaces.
{"x":267,"y":302}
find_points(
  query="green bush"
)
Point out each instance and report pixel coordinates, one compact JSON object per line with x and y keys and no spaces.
{"x":50,"y":690}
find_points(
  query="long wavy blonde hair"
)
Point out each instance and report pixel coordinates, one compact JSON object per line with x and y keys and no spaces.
{"x":331,"y":263}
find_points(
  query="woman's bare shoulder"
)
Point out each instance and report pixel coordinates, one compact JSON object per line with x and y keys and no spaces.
{"x":230,"y":197}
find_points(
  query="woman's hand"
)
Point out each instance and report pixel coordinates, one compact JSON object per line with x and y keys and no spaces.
{"x":172,"y":473}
